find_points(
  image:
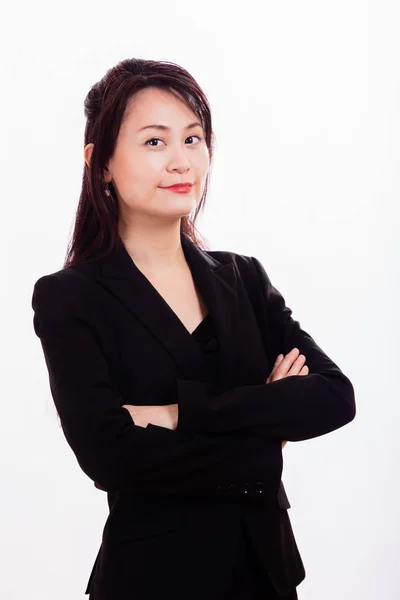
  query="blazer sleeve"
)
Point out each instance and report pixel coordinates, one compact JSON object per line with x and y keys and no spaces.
{"x":110,"y":449}
{"x":293,"y":408}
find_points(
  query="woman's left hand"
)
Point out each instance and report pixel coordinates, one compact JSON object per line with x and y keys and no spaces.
{"x":163,"y":416}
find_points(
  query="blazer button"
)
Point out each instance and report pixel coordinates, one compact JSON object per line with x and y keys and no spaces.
{"x":244,"y":489}
{"x":259,"y":488}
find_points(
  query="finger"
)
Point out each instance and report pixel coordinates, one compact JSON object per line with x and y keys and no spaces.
{"x":286,"y":363}
{"x":277,"y":362}
{"x":297,"y":365}
{"x":304,"y":370}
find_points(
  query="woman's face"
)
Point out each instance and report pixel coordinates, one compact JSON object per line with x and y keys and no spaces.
{"x":147,"y":160}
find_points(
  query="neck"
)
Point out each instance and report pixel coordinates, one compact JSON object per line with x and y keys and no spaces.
{"x":154,"y":247}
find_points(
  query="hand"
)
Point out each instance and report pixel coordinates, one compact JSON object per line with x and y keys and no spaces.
{"x":285,"y":366}
{"x":163,"y":416}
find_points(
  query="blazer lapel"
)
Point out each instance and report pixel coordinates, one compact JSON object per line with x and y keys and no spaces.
{"x":215,"y":281}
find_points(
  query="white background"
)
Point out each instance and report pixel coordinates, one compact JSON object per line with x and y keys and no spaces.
{"x":305,"y":99}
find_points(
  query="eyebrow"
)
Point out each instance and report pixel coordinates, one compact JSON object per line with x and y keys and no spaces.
{"x":165,"y":128}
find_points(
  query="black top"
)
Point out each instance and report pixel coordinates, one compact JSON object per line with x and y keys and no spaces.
{"x":205,"y":335}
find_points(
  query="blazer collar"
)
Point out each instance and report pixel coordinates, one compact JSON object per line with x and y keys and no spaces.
{"x":216,"y":282}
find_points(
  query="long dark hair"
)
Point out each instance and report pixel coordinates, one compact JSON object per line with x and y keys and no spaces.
{"x":96,"y":222}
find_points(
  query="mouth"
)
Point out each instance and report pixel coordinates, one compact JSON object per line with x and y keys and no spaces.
{"x":180,"y":187}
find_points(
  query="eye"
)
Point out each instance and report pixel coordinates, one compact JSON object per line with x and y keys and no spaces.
{"x":158,"y":139}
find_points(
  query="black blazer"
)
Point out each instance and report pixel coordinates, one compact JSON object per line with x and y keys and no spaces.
{"x":177,"y":498}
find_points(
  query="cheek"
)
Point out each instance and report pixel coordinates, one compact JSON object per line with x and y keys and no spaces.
{"x":203,"y":161}
{"x":140,"y":175}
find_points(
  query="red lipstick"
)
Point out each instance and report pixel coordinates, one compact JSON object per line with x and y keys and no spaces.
{"x":180,"y":188}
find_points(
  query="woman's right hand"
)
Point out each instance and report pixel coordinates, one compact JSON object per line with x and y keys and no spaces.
{"x":285,"y":366}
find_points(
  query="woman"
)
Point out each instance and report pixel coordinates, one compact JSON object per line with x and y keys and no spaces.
{"x":178,"y":373}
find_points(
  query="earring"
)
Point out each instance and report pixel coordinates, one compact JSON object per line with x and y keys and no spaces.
{"x":107,"y":190}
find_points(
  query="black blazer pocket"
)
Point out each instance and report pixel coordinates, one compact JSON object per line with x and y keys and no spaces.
{"x":123,"y":527}
{"x":128,"y":525}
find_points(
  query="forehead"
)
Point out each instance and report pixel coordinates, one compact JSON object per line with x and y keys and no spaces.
{"x":155,"y":105}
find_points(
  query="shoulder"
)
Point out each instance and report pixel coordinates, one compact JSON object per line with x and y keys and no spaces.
{"x":62,"y":280}
{"x":247,"y":266}
{"x":62,"y":290}
{"x":250,"y":271}
{"x":241,"y":261}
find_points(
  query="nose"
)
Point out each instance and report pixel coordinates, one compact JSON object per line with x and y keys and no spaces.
{"x":179,"y":160}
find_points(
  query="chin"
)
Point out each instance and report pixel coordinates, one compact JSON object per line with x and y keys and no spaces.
{"x":182,"y":209}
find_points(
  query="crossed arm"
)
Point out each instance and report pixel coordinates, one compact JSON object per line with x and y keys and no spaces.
{"x":168,"y":415}
{"x":292,"y":407}
{"x":115,"y":452}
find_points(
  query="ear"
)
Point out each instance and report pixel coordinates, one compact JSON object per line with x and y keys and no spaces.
{"x":87,"y":153}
